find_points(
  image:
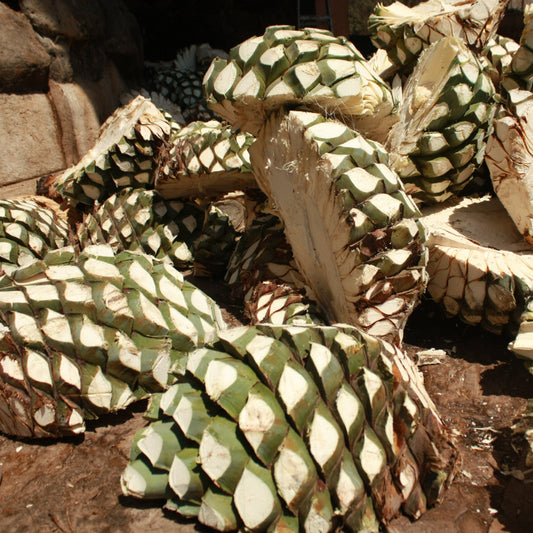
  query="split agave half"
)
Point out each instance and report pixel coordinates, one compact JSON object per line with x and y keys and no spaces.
{"x":444,"y":118}
{"x":480,"y":269}
{"x":123,"y":155}
{"x":352,"y":229}
{"x":205,"y":159}
{"x":404,"y":32}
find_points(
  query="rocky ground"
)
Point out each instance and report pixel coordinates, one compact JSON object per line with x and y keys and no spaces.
{"x":479,"y":387}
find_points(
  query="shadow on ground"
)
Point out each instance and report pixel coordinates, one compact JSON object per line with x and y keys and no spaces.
{"x":481,"y":391}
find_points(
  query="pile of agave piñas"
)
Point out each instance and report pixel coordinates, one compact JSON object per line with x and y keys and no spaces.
{"x":329,"y":192}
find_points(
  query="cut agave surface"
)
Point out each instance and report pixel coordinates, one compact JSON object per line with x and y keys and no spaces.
{"x":509,"y":157}
{"x":480,"y":269}
{"x":353,"y":230}
{"x":170,"y":110}
{"x":123,"y":156}
{"x":308,"y":67}
{"x":205,"y":159}
{"x":82,"y":335}
{"x":404,"y":32}
{"x":293,"y":428}
{"x":444,"y":118}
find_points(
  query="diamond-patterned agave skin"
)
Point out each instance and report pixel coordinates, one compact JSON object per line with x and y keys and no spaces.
{"x":29,"y":227}
{"x":519,"y":74}
{"x":404,"y":32}
{"x":272,"y":302}
{"x":261,"y":254}
{"x":205,"y":159}
{"x":262,"y":272}
{"x":363,"y":254}
{"x":293,"y":428}
{"x":180,"y":80}
{"x":123,"y":156}
{"x":481,"y":277}
{"x":88,"y":334}
{"x":444,"y":119}
{"x":140,"y":219}
{"x":185,"y":90}
{"x":308,"y":67}
{"x":213,"y":248}
{"x":500,"y":51}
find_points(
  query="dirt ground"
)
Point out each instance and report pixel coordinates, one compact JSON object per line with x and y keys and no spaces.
{"x":480,"y":389}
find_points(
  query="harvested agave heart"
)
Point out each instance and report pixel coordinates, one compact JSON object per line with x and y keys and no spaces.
{"x":444,"y":119}
{"x":308,"y":67}
{"x":83,"y":335}
{"x":499,"y":51}
{"x":123,"y":156}
{"x":205,"y":159}
{"x":263,"y":274}
{"x":140,"y":219}
{"x":405,"y":32}
{"x":29,"y":227}
{"x":480,"y":269}
{"x":352,"y":229}
{"x":293,"y":428}
{"x":180,"y":80}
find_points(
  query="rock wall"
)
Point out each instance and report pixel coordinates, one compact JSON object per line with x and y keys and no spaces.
{"x":63,"y":66}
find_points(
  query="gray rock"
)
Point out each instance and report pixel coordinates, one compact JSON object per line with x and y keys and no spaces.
{"x":63,"y":66}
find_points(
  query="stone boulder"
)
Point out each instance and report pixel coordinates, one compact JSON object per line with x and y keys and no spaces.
{"x":63,"y":66}
{"x":24,"y":62}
